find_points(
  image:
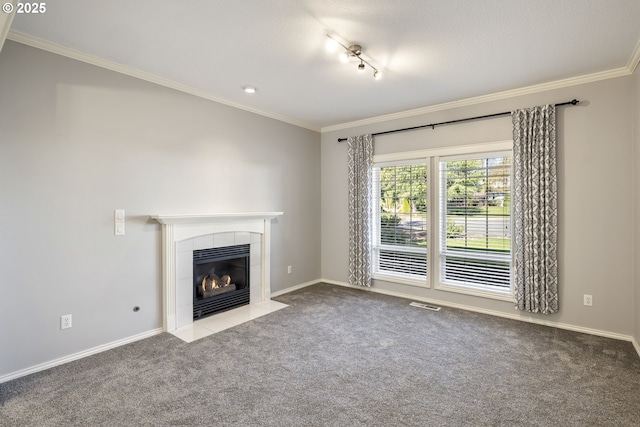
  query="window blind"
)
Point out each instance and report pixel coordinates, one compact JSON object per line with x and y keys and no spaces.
{"x":475,"y":221}
{"x":400,"y":220}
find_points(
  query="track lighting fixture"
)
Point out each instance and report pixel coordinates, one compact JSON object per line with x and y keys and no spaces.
{"x":353,"y":51}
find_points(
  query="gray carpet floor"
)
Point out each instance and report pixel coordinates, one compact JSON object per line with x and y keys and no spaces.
{"x":343,"y":357}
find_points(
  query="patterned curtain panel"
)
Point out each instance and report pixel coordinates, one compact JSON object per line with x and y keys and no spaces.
{"x":360,"y":157}
{"x":535,"y":208}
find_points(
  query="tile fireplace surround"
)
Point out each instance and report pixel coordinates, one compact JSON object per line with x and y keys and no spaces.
{"x":182,"y":234}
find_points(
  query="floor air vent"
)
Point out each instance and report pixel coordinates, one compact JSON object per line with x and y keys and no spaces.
{"x":425,"y":306}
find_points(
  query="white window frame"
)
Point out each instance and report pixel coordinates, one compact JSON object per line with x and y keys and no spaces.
{"x":442,"y":252}
{"x":431,"y":157}
{"x":377,"y":246}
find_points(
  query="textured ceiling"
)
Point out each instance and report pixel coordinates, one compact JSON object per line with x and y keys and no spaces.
{"x":431,"y":52}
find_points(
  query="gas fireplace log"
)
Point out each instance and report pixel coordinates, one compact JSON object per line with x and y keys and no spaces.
{"x":211,"y":281}
{"x":214,"y":292}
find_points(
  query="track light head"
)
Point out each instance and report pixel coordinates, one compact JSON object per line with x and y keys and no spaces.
{"x":353,"y":51}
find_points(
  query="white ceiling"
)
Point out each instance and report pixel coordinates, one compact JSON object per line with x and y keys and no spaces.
{"x":431,"y":52}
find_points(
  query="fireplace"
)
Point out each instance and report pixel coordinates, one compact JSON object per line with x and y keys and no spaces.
{"x":183,"y":234}
{"x":220,"y":279}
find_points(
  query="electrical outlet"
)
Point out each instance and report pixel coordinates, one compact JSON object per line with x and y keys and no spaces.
{"x":588,"y":300}
{"x":289,"y":270}
{"x":65,"y":321}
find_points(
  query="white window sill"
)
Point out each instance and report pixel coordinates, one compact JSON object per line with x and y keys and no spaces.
{"x":404,"y":280}
{"x":506,"y":295}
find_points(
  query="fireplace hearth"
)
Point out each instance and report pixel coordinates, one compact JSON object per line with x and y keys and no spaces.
{"x":220,"y":279}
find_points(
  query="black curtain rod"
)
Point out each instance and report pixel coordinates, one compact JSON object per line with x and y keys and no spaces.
{"x":433,"y":125}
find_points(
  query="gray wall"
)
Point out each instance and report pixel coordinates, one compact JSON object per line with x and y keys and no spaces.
{"x":636,"y":215}
{"x":77,"y":142}
{"x":595,"y":181}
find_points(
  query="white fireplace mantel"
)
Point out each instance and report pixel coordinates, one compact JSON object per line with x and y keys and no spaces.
{"x":182,"y":233}
{"x":214,"y":217}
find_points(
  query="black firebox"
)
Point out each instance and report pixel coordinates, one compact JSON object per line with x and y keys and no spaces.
{"x":220,"y":279}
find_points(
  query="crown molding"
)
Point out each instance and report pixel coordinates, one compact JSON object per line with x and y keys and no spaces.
{"x":38,"y":43}
{"x":635,"y":59}
{"x":5,"y":22}
{"x":142,"y":75}
{"x":558,"y":84}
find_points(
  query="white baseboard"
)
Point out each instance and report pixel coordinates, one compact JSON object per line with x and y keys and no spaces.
{"x":295,"y":288}
{"x":574,"y":328}
{"x":114,"y":344}
{"x":118,"y":343}
{"x":79,"y":355}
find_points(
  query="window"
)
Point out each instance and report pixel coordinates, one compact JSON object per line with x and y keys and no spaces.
{"x":400,"y":220}
{"x":475,"y":222}
{"x":465,"y":246}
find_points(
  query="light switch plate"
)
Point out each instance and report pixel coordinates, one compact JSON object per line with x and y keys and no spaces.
{"x":120,"y":229}
{"x":118,"y":222}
